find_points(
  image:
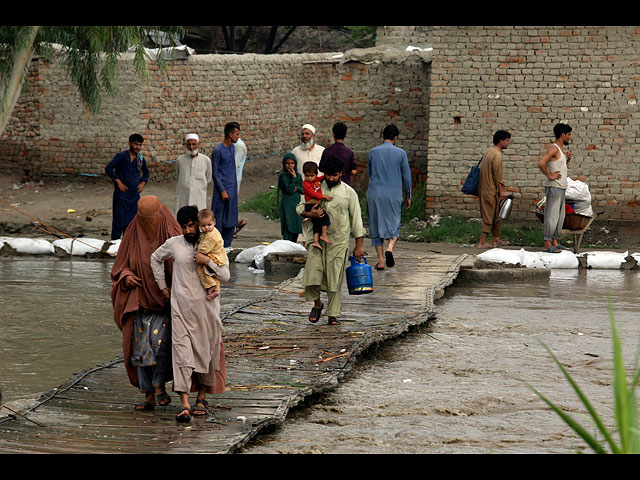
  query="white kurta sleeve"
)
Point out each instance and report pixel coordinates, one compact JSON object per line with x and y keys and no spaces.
{"x":157,"y":264}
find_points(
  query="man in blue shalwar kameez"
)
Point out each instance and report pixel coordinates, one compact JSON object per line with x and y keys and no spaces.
{"x":389,"y":176}
{"x":224,"y":202}
{"x":130,"y":174}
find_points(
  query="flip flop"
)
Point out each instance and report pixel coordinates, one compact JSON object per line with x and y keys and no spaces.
{"x":333,"y":321}
{"x":379,"y":268}
{"x":201,"y":408}
{"x":314,"y":316}
{"x":389,"y":259}
{"x":561,"y":247}
{"x":241,"y":225}
{"x":182,"y":417}
{"x":163,"y":399}
{"x":552,"y":249}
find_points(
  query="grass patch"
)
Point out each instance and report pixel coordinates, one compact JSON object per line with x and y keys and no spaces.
{"x":266,"y":204}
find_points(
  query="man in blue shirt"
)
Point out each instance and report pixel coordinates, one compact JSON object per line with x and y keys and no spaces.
{"x":224,"y":202}
{"x":130,"y":174}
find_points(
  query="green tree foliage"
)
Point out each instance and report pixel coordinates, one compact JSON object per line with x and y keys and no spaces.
{"x":89,"y":54}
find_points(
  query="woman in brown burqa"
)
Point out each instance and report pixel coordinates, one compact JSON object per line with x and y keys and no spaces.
{"x":139,"y":308}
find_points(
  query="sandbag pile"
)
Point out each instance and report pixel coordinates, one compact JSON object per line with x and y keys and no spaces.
{"x":598,"y":260}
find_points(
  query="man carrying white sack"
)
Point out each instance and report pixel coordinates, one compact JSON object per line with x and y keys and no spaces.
{"x":193,"y":174}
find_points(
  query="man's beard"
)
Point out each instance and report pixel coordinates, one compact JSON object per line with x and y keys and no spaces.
{"x":331,"y":184}
{"x":307,"y":145}
{"x":192,"y":238}
{"x":193,"y":153}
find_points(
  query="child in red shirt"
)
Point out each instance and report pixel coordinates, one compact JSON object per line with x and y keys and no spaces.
{"x":311,"y":187}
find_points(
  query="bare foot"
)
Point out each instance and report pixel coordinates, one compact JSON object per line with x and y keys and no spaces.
{"x":317,"y":245}
{"x":484,"y":245}
{"x":500,"y":243}
{"x":325,"y":238}
{"x":212,"y":293}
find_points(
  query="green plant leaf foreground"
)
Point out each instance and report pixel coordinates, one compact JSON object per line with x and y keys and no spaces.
{"x":626,"y":406}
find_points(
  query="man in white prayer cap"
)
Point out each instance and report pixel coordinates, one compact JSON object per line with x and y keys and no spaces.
{"x":308,"y":150}
{"x":193,"y":174}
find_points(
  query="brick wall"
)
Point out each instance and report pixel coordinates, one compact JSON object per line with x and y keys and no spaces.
{"x":271,"y":96}
{"x":525,"y":79}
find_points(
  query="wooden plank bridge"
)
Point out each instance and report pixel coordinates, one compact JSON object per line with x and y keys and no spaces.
{"x":275,"y":360}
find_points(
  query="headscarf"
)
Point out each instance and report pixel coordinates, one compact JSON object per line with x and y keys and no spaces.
{"x":149,"y":229}
{"x":289,"y":156}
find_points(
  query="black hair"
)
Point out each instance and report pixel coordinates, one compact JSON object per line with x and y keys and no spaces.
{"x":136,"y":138}
{"x":188,"y":213}
{"x":500,"y":135}
{"x":310,"y":167}
{"x":390,"y":132}
{"x":339,"y":131}
{"x":332,"y":165}
{"x":561,"y":128}
{"x":230,"y":127}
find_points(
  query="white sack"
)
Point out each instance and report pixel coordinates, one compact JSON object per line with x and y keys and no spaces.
{"x":34,"y":246}
{"x":578,"y":193}
{"x":563,"y":260}
{"x":248,"y":254}
{"x":605,"y":260}
{"x":115,"y":245}
{"x":279,"y":246}
{"x":501,"y":255}
{"x":80,"y":246}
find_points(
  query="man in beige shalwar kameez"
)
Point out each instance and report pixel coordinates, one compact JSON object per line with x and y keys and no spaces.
{"x":325,"y":269}
{"x":491,"y":190}
{"x":196,"y":328}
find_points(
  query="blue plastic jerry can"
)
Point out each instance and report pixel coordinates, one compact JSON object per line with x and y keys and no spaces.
{"x":359,"y":277}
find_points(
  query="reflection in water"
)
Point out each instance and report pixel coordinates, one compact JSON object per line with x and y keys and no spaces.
{"x":56,"y":319}
{"x":458,"y":384}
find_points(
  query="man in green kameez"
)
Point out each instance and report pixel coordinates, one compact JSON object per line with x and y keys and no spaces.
{"x":325,"y":269}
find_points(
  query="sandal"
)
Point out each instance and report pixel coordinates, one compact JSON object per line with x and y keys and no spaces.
{"x":552,"y":249}
{"x":389,"y":258}
{"x":314,"y":316}
{"x":561,"y":247}
{"x":241,"y":224}
{"x":333,"y":321}
{"x":163,"y":399}
{"x":201,"y":408}
{"x":141,"y":407}
{"x":183,"y":417}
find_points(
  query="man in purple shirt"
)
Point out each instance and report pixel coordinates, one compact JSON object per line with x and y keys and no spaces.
{"x":340,"y":150}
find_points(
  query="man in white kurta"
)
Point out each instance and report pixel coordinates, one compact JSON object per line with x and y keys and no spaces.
{"x":196,"y":328}
{"x":307,"y":151}
{"x":193,"y":172}
{"x":325,"y":269}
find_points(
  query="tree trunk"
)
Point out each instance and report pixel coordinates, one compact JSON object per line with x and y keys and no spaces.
{"x":16,"y":78}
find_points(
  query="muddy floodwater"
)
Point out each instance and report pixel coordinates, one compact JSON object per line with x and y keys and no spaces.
{"x":458,"y":385}
{"x":455,"y":385}
{"x":56,"y":319}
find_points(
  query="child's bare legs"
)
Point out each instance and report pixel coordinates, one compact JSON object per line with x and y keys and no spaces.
{"x":212,"y":292}
{"x":316,"y":241}
{"x":324,"y":234}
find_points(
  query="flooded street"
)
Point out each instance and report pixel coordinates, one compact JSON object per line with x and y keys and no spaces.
{"x":456,"y":385}
{"x":56,"y":319}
